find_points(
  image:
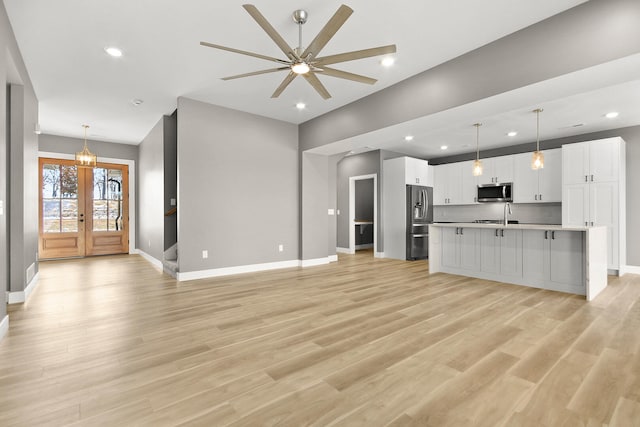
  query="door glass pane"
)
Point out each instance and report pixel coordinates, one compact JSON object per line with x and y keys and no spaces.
{"x":100,"y":215}
{"x":59,"y":198}
{"x":107,"y":199}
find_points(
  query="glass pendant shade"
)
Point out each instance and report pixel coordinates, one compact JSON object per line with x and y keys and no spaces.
{"x":477,"y":167}
{"x":85,"y":158}
{"x":537,"y":160}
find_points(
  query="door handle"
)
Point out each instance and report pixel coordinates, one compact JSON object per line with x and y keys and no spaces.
{"x":81,"y":220}
{"x":496,"y":232}
{"x":591,"y":178}
{"x":502,"y":233}
{"x":546,"y":234}
{"x":461,"y":231}
{"x":535,"y":197}
{"x":586,"y":178}
{"x":592,"y":223}
{"x":553,"y":235}
{"x":540,"y":198}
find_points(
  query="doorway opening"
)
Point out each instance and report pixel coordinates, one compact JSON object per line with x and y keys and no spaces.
{"x":363,"y":213}
{"x":82,"y":211}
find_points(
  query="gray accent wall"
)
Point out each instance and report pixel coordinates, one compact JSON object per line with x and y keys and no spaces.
{"x":314,"y":200}
{"x":170,"y":125}
{"x":238,"y":188}
{"x":103,"y":149}
{"x":18,"y":168}
{"x":586,"y":35}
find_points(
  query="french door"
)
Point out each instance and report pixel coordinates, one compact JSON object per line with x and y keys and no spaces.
{"x":83,"y":211}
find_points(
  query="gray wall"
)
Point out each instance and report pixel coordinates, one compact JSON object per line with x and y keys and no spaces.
{"x":589,"y":34}
{"x":18,"y":167}
{"x":68,"y":145}
{"x":237,"y":187}
{"x":315,"y":201}
{"x":150,"y":183}
{"x":170,"y":177}
{"x":332,"y":189}
{"x":354,"y":165}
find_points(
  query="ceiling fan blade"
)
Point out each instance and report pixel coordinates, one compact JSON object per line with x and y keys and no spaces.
{"x":271,"y":32}
{"x":244,"y":52}
{"x":329,"y":30}
{"x":256,"y":73}
{"x":345,"y":75}
{"x":287,"y":80}
{"x":317,"y":85}
{"x":356,"y":54}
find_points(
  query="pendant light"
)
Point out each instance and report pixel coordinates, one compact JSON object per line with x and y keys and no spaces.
{"x":477,"y":164}
{"x":85,"y":158}
{"x":537,"y":160}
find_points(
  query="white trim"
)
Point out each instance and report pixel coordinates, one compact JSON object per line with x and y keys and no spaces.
{"x":632,"y":269}
{"x":314,"y":262}
{"x":132,"y":188}
{"x":378,"y":254}
{"x":352,"y":208}
{"x":155,"y":262}
{"x":365,"y":246}
{"x":20,"y":297}
{"x":333,"y":258}
{"x":226,"y":271}
{"x":4,"y":326}
{"x":345,"y":251}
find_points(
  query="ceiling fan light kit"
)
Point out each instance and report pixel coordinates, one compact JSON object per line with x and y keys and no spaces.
{"x":305,"y":61}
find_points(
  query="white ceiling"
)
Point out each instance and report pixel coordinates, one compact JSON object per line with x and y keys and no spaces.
{"x":62,"y":45}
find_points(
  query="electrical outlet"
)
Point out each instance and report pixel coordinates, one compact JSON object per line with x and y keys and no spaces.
{"x":205,"y":254}
{"x":331,"y":211}
{"x":280,"y":247}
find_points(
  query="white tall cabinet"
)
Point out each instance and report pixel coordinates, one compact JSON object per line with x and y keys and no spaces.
{"x":593,"y":192}
{"x":538,"y":186}
{"x":396,"y":175}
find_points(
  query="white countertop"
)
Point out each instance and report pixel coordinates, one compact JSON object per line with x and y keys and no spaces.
{"x":550,"y":227}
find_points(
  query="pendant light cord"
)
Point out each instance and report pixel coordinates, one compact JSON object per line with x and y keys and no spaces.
{"x":538,"y":111}
{"x":477,"y":125}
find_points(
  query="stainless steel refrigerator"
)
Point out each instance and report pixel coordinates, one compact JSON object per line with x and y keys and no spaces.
{"x":419,"y":213}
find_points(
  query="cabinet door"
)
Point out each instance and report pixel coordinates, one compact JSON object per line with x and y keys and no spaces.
{"x":550,"y":177}
{"x":525,"y":180}
{"x":490,"y":253}
{"x":454,"y":184}
{"x":603,"y":209}
{"x":503,"y":168}
{"x":511,"y":253}
{"x":604,"y":160}
{"x":566,"y":258}
{"x":534,"y":247}
{"x":488,"y":176}
{"x":575,"y":163}
{"x":439,"y":184}
{"x":469,"y":248}
{"x":469,"y":188}
{"x":450,"y":247}
{"x":575,"y":205}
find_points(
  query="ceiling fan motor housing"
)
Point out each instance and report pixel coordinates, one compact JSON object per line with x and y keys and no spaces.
{"x":300,"y":16}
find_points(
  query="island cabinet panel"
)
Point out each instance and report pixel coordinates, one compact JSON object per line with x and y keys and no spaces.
{"x":490,"y":253}
{"x":511,"y":253}
{"x":534,"y":256}
{"x":460,"y":248}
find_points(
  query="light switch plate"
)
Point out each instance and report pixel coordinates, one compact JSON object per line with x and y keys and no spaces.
{"x":331,"y":211}
{"x":172,"y":202}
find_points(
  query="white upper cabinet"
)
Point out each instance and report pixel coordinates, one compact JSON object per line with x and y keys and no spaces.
{"x":417,"y":172}
{"x":454,"y":184}
{"x":593,"y":161}
{"x":497,"y":170}
{"x":538,"y":186}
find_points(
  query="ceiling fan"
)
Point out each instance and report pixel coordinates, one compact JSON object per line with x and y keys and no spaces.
{"x":306,"y":62}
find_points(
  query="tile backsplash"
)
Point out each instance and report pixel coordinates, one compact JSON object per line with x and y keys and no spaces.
{"x":536,"y":213}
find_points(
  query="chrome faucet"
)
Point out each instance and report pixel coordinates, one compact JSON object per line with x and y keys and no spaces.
{"x":507,"y":208}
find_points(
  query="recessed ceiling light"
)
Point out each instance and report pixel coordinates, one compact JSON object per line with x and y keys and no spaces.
{"x":612,"y":115}
{"x":137,"y":101}
{"x":443,"y":147}
{"x":113,"y":51}
{"x":512,"y":133}
{"x":388,"y":61}
{"x":408,"y":138}
{"x":301,"y":105}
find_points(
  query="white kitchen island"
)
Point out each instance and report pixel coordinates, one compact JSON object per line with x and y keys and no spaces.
{"x":551,"y":257}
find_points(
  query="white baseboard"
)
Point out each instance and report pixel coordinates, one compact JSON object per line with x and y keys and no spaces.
{"x":365,"y":246}
{"x":20,"y":297}
{"x":227,"y":271}
{"x":155,"y":262}
{"x":378,"y":254}
{"x":333,"y":258}
{"x":314,"y":262}
{"x":4,"y":326}
{"x":344,"y":251}
{"x":632,"y":269}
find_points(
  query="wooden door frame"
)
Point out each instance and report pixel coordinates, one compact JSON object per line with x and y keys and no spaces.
{"x":132,"y":188}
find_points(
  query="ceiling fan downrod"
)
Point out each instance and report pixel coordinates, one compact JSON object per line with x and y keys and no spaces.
{"x":299,"y":17}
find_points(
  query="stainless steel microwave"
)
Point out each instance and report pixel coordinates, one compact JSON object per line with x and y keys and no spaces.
{"x":502,"y":192}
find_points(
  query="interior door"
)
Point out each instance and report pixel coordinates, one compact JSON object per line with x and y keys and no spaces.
{"x":61,"y":209}
{"x":83,"y":211}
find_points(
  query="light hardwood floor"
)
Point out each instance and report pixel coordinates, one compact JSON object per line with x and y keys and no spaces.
{"x":364,"y":341}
